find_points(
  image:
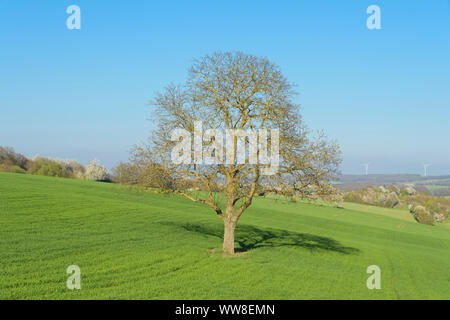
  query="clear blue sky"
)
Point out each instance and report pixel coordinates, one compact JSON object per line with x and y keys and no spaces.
{"x":383,"y":94}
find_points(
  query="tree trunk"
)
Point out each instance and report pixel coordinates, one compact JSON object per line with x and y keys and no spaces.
{"x":228,"y":236}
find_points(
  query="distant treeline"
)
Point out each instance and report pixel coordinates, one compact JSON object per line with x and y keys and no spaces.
{"x":10,"y":161}
{"x":139,"y":171}
{"x":390,"y":178}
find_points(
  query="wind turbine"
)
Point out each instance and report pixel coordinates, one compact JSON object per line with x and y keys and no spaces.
{"x":366,"y":165}
{"x":425,"y":167}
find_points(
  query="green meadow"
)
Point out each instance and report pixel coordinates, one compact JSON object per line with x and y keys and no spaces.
{"x":134,"y":244}
{"x":434,"y":187}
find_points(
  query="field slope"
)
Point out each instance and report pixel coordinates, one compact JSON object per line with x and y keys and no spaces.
{"x":138,"y":245}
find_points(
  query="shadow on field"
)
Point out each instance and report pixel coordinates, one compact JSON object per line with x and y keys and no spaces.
{"x":249,"y":237}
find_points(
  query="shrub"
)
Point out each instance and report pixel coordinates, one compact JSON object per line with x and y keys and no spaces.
{"x":372,"y":196}
{"x":349,"y":197}
{"x":49,"y":170}
{"x":150,"y":174}
{"x":125,"y":173}
{"x":391,"y":200}
{"x":73,"y":166}
{"x":422,"y":215}
{"x":96,"y":172}
{"x":11,"y":161}
{"x":11,"y":168}
{"x":394,"y":188}
{"x":155,"y":176}
{"x":432,"y":205}
{"x":18,"y":169}
{"x":9,"y":158}
{"x":48,"y":167}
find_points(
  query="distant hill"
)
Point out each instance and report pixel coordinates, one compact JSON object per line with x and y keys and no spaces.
{"x":389,"y":178}
{"x":349,"y":182}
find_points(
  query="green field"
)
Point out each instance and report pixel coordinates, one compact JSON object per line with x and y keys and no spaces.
{"x":434,"y":188}
{"x":133,"y":244}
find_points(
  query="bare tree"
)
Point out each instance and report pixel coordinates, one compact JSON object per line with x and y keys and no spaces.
{"x":230,"y":92}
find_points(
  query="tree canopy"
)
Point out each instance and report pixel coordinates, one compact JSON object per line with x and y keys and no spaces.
{"x":254,"y":138}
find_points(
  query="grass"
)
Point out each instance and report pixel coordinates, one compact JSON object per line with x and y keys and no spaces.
{"x":133,"y":244}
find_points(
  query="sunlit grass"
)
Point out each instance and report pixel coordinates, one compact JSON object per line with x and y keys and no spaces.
{"x":133,"y":244}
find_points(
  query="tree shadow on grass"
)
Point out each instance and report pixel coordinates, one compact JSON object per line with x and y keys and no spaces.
{"x":249,"y":237}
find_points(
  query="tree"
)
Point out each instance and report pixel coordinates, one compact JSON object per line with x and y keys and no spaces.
{"x":9,"y":158}
{"x":124,"y":173}
{"x":96,"y":172}
{"x":48,"y":167}
{"x":74,"y":167}
{"x":239,"y":96}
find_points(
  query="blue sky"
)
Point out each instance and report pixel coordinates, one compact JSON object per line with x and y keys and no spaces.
{"x":383,"y":94}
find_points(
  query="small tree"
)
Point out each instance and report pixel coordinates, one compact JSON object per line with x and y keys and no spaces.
{"x":124,"y":173}
{"x":49,"y":167}
{"x":96,"y":172}
{"x":9,"y":158}
{"x":229,"y":92}
{"x":74,"y":167}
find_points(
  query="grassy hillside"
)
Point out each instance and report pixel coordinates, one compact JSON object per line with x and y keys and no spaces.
{"x":140,"y":245}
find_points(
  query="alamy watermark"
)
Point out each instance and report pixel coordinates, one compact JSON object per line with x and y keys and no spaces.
{"x":374,"y":20}
{"x":74,"y":20}
{"x":235,"y":153}
{"x":374,"y":281}
{"x":74,"y":280}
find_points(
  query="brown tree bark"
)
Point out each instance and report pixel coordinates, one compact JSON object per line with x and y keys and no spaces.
{"x":228,"y":237}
